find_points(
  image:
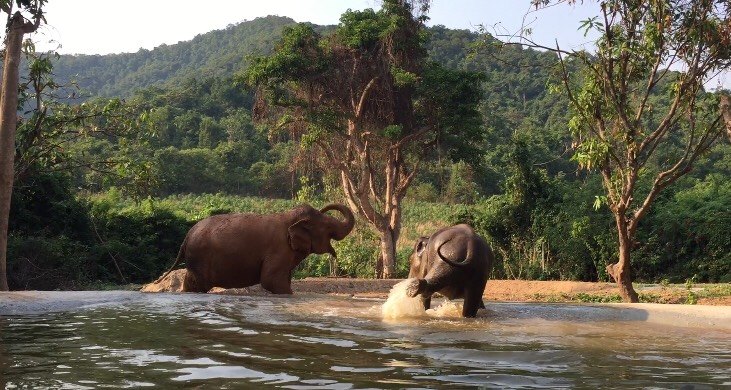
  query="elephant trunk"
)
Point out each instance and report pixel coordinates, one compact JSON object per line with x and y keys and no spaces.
{"x":341,"y":229}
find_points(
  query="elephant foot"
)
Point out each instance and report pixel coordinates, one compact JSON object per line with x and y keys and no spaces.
{"x":192,"y":284}
{"x":414,"y":287}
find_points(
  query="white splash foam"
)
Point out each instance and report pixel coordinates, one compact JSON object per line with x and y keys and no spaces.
{"x":400,"y":305}
{"x":447,"y":309}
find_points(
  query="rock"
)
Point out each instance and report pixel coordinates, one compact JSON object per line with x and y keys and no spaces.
{"x":256,"y":290}
{"x":173,"y":282}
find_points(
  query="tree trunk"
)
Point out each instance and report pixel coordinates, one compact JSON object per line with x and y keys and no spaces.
{"x":726,"y":112}
{"x":388,"y":254}
{"x":8,"y":124}
{"x":620,"y":271}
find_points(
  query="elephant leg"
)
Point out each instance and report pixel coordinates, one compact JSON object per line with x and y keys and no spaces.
{"x":277,"y":285}
{"x":426,"y":301}
{"x":276,"y":281}
{"x":482,"y":304}
{"x":192,"y":283}
{"x":472,"y":302}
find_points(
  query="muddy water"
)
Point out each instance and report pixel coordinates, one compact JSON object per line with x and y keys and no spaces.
{"x":316,"y":341}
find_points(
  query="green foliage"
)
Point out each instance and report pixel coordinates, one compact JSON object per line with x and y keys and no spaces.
{"x":452,"y":108}
{"x":307,"y":192}
{"x":361,"y":29}
{"x":54,"y":135}
{"x":185,"y":133}
{"x":298,"y":55}
{"x":58,"y":241}
{"x":422,"y":192}
{"x":356,"y":254}
{"x":403,"y":78}
{"x":218,"y":53}
{"x":48,"y":263}
{"x":686,"y":235}
{"x":554,"y":236}
{"x":461,"y":188}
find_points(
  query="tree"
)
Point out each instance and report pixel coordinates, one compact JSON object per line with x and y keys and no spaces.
{"x":17,"y":26}
{"x":725,"y":106}
{"x":640,"y":99}
{"x":366,"y":98}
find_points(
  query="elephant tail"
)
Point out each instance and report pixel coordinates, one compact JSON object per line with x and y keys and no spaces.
{"x":459,"y":263}
{"x":181,"y":255}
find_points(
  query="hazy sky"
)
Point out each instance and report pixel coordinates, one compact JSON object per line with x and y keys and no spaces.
{"x":105,"y":26}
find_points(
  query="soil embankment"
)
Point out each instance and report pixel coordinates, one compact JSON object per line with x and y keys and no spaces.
{"x":496,"y":290}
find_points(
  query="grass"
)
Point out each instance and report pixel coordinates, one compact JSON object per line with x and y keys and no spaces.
{"x":668,"y":294}
{"x":108,"y":286}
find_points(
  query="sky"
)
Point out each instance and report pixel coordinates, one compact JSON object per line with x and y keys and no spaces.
{"x":105,"y":26}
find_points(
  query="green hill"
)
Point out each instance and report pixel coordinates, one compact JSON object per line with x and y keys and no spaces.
{"x":216,"y":53}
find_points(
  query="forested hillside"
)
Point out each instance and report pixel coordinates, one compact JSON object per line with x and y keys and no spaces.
{"x":521,"y":188}
{"x":196,"y":100}
{"x":216,"y":53}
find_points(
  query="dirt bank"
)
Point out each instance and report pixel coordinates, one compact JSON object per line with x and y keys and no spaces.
{"x":496,"y":290}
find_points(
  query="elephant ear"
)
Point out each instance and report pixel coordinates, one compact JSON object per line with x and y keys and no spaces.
{"x":300,"y":237}
{"x":421,"y":245}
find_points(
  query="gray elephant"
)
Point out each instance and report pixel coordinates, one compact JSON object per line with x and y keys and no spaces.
{"x":241,"y":250}
{"x":454,"y":262}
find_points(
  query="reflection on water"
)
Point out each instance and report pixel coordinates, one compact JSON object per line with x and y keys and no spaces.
{"x":322,"y":342}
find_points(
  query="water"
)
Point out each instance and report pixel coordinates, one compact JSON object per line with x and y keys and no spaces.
{"x":401,"y":306}
{"x":317,"y":341}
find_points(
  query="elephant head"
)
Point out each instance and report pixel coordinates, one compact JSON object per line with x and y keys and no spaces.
{"x":422,"y":262}
{"x":312,"y":230}
{"x":417,"y":261}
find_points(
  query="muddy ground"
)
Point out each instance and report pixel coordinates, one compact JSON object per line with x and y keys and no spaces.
{"x":496,"y":290}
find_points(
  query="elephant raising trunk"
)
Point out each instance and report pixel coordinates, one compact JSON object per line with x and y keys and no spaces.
{"x":241,"y":249}
{"x":342,"y":229}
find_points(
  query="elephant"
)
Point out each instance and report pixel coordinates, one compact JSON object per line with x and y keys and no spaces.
{"x":453,"y":261}
{"x":241,"y":249}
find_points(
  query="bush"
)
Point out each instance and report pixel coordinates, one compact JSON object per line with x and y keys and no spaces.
{"x":558,"y":238}
{"x":50,"y":263}
{"x":686,"y":236}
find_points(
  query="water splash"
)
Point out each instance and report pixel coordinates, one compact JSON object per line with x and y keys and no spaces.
{"x":447,"y":309}
{"x":400,"y":305}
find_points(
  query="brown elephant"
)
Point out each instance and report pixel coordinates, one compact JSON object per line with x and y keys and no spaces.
{"x":454,"y":262}
{"x":241,"y":250}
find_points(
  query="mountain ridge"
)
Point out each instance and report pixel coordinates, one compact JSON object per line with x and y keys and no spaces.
{"x":214,"y":53}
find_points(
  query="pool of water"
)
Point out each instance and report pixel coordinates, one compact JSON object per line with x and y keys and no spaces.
{"x":319,"y":341}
